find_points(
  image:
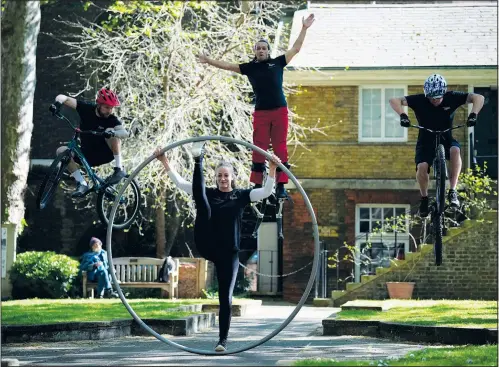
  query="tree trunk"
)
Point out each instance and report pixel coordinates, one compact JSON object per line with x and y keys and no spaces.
{"x":20,"y":26}
{"x":173,"y":225}
{"x":160,"y":230}
{"x":166,"y":231}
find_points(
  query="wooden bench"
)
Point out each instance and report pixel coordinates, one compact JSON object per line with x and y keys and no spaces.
{"x":139,"y":272}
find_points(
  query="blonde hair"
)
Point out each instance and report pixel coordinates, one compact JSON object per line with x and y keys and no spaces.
{"x":228,"y":165}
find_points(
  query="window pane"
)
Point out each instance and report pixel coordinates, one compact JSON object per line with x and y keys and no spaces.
{"x":366,"y":113}
{"x":387,"y":213}
{"x":376,"y":213}
{"x":371,"y":220}
{"x":364,"y":213}
{"x":402,"y":222}
{"x":371,"y":113}
{"x":377,"y":250}
{"x":399,"y":211}
{"x":364,"y":226}
{"x":366,"y":127}
{"x":376,"y":113}
{"x":392,"y":125}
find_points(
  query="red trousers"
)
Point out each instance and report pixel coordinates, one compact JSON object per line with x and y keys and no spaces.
{"x":270,"y":126}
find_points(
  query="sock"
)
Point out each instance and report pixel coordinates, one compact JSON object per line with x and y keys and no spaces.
{"x":117,"y":160}
{"x":79,"y":177}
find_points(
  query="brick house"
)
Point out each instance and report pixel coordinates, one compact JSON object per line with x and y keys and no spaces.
{"x":363,"y":170}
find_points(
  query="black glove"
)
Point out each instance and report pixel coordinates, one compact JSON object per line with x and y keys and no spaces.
{"x":471,"y":120}
{"x":55,"y":107}
{"x":108,"y":134}
{"x":404,"y":120}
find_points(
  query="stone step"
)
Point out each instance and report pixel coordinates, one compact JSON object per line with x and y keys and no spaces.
{"x":352,"y":286}
{"x":454,"y":231}
{"x":364,"y":305}
{"x":411,"y":256}
{"x":381,"y":270}
{"x":367,"y":278}
{"x":322,"y":302}
{"x":337,"y":294}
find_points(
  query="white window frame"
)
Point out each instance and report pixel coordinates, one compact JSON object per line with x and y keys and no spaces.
{"x":360,"y":236}
{"x":382,"y":139}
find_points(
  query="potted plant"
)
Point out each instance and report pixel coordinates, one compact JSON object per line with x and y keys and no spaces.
{"x":400,"y":290}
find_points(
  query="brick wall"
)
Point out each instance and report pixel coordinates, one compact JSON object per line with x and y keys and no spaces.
{"x":354,"y":197}
{"x":335,"y":212}
{"x":298,"y":247}
{"x":339,"y":154}
{"x":468,"y":271}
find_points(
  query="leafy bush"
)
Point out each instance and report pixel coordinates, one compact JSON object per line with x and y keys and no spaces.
{"x":43,"y":275}
{"x":475,"y":187}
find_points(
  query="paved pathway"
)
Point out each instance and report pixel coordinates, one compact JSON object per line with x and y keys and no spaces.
{"x":301,"y":339}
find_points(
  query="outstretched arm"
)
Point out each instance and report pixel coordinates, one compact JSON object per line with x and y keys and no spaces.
{"x":219,"y":64}
{"x":301,"y":37}
{"x":178,"y":180}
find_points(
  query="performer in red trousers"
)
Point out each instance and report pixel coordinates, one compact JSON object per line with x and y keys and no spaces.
{"x":270,"y":119}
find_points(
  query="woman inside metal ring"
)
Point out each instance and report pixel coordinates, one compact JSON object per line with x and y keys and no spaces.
{"x":217,"y":228}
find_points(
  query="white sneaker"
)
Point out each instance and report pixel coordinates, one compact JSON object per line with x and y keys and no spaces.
{"x":197,"y":149}
{"x":221,"y":346}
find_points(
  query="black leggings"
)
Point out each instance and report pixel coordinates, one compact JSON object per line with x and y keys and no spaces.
{"x":226,"y":263}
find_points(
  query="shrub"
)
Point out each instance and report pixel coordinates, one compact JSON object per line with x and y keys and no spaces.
{"x":474,"y":188}
{"x":42,"y":275}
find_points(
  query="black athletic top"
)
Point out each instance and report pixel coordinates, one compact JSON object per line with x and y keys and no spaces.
{"x":266,"y":78}
{"x":90,"y":121}
{"x":226,"y":215}
{"x":435,"y":118}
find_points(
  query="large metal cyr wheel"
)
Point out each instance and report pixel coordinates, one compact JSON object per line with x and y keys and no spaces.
{"x":307,"y":288}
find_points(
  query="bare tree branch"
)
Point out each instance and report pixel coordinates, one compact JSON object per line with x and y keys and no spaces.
{"x":167,"y":95}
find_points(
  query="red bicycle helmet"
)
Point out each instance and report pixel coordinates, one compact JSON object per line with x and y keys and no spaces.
{"x":107,"y":97}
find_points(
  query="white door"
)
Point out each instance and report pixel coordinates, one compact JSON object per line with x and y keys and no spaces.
{"x":267,"y":257}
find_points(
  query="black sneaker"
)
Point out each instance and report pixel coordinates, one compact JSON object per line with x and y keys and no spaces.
{"x":81,"y":190}
{"x":221,"y":345}
{"x":280,"y":191}
{"x":116,"y":177}
{"x":453,"y":199}
{"x":423,"y":207}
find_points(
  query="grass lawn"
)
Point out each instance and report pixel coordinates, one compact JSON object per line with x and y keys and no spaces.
{"x":483,"y":355}
{"x":45,"y":311}
{"x":465,"y":313}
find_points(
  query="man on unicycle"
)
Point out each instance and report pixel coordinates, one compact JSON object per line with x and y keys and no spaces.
{"x":435,"y":110}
